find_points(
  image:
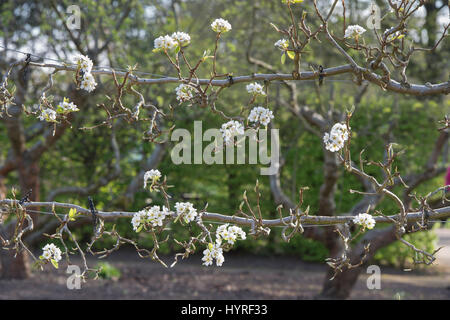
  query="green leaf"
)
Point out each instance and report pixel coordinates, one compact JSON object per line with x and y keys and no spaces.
{"x":160,"y":100}
{"x":54,"y":263}
{"x":206,"y":58}
{"x":140,"y":228}
{"x":59,"y":109}
{"x":283,"y":58}
{"x":291,"y":54}
{"x":177,"y":49}
{"x":73,"y":214}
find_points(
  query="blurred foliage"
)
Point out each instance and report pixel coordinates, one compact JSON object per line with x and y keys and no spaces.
{"x":398,"y":255}
{"x":108,"y":271}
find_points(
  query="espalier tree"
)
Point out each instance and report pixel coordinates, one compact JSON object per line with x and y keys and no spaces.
{"x":128,"y":99}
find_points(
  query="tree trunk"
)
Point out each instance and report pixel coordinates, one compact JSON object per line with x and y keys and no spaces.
{"x":341,"y":286}
{"x":16,"y":265}
{"x":12,"y":267}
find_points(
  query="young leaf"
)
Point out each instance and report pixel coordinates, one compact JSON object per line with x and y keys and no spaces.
{"x":72,"y":214}
{"x":283,"y":58}
{"x":291,"y":54}
{"x":54,"y":263}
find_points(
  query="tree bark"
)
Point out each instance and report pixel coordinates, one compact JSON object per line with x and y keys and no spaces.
{"x":15,"y":265}
{"x":342,"y":284}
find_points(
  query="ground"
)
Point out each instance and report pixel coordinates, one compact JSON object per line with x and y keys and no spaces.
{"x":241,"y":277}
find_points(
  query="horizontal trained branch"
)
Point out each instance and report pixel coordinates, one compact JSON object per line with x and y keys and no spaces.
{"x":209,"y":216}
{"x":391,"y":85}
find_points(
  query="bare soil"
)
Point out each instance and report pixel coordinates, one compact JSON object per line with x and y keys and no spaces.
{"x":241,"y":277}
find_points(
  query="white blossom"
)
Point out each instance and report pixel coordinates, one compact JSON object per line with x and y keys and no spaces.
{"x":261,"y":114}
{"x":221,"y":25}
{"x":184,"y":92}
{"x":335,"y":140}
{"x":138,"y":219}
{"x":220,"y":260}
{"x":48,"y":115}
{"x":282,"y":44}
{"x":156,"y":216}
{"x":165,"y":43}
{"x":66,"y":106}
{"x":365,"y":220}
{"x":152,"y":175}
{"x":186,"y":210}
{"x":332,"y":143}
{"x":51,"y":252}
{"x":214,"y":251}
{"x":88,"y":82}
{"x":207,"y":257}
{"x":255,"y":89}
{"x":354,"y":31}
{"x":182,"y":38}
{"x":231,"y":129}
{"x":229,"y":233}
{"x":153,"y":217}
{"x":340,"y":130}
{"x":84,"y":63}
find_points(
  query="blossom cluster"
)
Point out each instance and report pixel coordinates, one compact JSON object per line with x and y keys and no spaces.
{"x":365,"y":220}
{"x":255,"y":89}
{"x":152,"y":175}
{"x":152,"y":217}
{"x":85,"y":65}
{"x":66,"y":106}
{"x":184,"y":92}
{"x":186,"y":210}
{"x":214,"y":251}
{"x":231,"y":129}
{"x":354,"y":31}
{"x":261,"y":115}
{"x":182,"y":38}
{"x":229,"y":234}
{"x":334,"y":141}
{"x":48,"y":115}
{"x":165,"y":43}
{"x":220,"y":25}
{"x":176,"y":40}
{"x":282,"y":44}
{"x":51,"y":252}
